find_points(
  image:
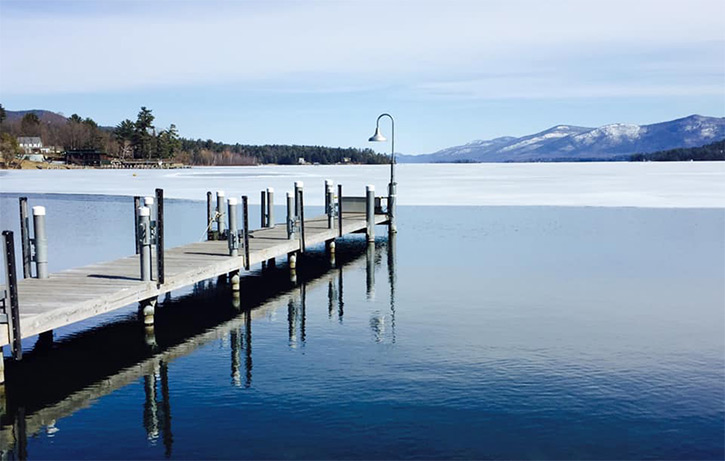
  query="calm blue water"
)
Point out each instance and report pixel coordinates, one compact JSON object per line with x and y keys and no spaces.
{"x":479,"y":332}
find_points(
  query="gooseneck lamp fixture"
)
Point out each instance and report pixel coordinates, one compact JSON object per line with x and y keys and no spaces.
{"x":378,"y":137}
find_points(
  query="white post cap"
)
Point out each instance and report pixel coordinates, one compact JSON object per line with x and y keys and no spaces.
{"x":232,"y":201}
{"x":220,"y":193}
{"x":370,"y":188}
{"x":299,"y":184}
{"x":38,"y":211}
{"x":148,"y":201}
{"x":144,"y":211}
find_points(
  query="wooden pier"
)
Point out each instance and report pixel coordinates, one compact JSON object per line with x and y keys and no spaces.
{"x":74,"y":295}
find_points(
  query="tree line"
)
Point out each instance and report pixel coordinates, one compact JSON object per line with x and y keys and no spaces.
{"x":141,"y":140}
{"x":709,"y":152}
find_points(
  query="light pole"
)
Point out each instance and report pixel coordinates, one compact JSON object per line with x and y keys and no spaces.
{"x":377,"y":137}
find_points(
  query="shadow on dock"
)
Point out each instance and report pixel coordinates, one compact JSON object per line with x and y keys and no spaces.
{"x":56,"y":379}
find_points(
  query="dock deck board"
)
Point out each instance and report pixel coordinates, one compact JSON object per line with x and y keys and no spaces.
{"x":78,"y":294}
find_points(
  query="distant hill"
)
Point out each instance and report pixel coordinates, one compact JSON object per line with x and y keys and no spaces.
{"x":617,"y":141}
{"x":45,"y":116}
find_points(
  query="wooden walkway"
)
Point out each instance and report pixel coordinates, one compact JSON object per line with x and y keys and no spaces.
{"x":79,"y":294}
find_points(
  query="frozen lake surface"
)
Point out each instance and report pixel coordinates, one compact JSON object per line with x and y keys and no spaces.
{"x":650,"y":184}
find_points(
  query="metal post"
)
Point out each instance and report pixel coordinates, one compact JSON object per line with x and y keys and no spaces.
{"x":144,"y":233}
{"x":245,"y":214}
{"x":302,"y":219}
{"x":209,"y":217}
{"x":263,"y":209}
{"x":160,"y":236}
{"x":391,"y":207}
{"x":136,"y":205}
{"x":233,"y":234}
{"x":221,"y":225}
{"x":25,"y":237}
{"x":370,"y":211}
{"x":339,"y":208}
{"x":41,"y":242}
{"x":11,"y":296}
{"x":290,"y":215}
{"x":270,"y":207}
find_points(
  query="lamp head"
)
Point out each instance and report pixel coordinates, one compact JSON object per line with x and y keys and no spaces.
{"x":377,"y":137}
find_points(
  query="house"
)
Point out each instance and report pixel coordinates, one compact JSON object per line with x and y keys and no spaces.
{"x":30,"y":144}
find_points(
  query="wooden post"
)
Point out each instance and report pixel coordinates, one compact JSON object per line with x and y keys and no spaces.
{"x":299,"y":185}
{"x":233,"y":237}
{"x":136,"y":206}
{"x":25,"y":237}
{"x":270,"y":207}
{"x":370,"y":211}
{"x":290,"y":215}
{"x":160,"y":235}
{"x":339,"y":208}
{"x":302,"y":219}
{"x":221,"y":226}
{"x":209,"y":217}
{"x":11,"y":296}
{"x":245,"y":214}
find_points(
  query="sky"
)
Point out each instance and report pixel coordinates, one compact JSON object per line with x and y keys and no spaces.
{"x":319,"y":72}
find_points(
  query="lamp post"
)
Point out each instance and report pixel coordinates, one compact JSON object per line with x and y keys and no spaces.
{"x":378,"y":137}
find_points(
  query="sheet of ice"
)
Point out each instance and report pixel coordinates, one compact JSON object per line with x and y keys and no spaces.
{"x":652,"y":184}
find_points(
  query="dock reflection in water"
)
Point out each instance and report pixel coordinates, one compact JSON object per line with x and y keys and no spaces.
{"x":55,"y":380}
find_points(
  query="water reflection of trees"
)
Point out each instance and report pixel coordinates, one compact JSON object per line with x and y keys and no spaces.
{"x":97,"y":362}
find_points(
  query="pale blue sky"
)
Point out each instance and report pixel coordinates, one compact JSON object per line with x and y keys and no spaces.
{"x":319,"y":72}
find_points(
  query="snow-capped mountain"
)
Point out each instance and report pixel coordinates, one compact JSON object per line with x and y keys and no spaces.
{"x":565,"y":142}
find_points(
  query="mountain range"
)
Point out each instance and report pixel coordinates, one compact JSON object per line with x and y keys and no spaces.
{"x":616,"y":141}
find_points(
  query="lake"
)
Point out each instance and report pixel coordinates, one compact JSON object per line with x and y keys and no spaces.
{"x":531,"y":312}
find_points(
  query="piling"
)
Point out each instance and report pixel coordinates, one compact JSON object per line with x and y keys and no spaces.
{"x":136,"y":205}
{"x":25,"y":237}
{"x":290,"y":216}
{"x":236,"y":281}
{"x":41,"y":242}
{"x":263,"y":209}
{"x":370,"y":211}
{"x":209,"y":217}
{"x":299,"y":185}
{"x":144,"y":231}
{"x":160,"y":236}
{"x":339,"y":209}
{"x":233,"y":234}
{"x":329,"y":203}
{"x":245,"y":220}
{"x":270,"y":207}
{"x":11,"y":296}
{"x":147,"y":309}
{"x":221,"y":225}
{"x":301,"y":216}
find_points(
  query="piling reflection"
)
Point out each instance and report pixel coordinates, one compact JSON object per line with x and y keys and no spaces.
{"x":89,"y":365}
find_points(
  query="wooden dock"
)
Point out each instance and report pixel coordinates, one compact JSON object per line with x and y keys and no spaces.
{"x":79,"y":294}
